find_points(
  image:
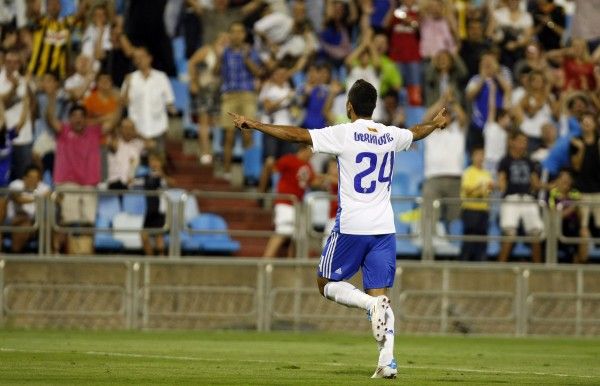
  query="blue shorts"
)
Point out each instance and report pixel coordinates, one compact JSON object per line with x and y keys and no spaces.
{"x":345,"y":254}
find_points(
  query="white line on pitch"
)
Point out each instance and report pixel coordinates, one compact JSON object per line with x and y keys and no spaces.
{"x":197,"y":359}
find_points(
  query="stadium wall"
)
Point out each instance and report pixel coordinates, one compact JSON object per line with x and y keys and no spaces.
{"x":258,"y":294}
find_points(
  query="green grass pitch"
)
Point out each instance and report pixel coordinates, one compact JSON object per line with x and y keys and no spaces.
{"x":282,"y":358}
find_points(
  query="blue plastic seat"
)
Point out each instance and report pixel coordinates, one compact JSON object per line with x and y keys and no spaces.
{"x":209,"y":243}
{"x":104,"y":241}
{"x":108,"y":206}
{"x":134,"y":204}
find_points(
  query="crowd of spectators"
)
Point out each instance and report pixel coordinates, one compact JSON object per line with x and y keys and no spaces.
{"x":85,"y":97}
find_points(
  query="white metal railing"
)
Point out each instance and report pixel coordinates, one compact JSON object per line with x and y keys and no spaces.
{"x":46,"y":222}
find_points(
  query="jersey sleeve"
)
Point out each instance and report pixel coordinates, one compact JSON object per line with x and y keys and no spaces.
{"x":329,"y":140}
{"x":404,"y":139}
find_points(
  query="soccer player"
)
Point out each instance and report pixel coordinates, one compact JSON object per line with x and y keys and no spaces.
{"x":364,"y":234}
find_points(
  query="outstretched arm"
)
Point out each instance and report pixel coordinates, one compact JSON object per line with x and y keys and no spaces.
{"x":440,"y":121}
{"x":285,"y":133}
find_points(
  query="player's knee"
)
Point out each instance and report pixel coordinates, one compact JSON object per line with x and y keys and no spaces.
{"x":321,"y":283}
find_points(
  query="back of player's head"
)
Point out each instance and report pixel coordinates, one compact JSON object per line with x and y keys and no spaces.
{"x":362,"y":97}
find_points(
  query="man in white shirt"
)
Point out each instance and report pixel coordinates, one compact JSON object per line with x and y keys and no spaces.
{"x":364,"y":234}
{"x":149,"y":97}
{"x":13,"y":89}
{"x":444,"y":160}
{"x":23,"y":204}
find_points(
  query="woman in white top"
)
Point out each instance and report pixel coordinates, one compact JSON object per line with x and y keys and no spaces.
{"x":536,"y":107}
{"x":205,"y":91}
{"x":96,"y":37}
{"x":511,"y":28}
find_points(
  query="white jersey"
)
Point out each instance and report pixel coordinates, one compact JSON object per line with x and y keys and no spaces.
{"x":365,"y":153}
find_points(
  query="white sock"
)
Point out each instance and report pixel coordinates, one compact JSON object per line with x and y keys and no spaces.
{"x":386,"y":348}
{"x":348,"y":295}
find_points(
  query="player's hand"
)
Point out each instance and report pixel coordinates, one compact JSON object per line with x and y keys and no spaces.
{"x":239,"y":121}
{"x":442,"y":118}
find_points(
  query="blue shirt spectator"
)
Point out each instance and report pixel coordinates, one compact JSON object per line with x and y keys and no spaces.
{"x":235,"y":74}
{"x":314,"y":118}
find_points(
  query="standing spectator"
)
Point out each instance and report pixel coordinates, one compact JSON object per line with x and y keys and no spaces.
{"x":404,"y":48}
{"x":156,"y":180}
{"x":14,"y":90}
{"x":474,"y":46}
{"x":27,"y":190}
{"x":564,"y":194}
{"x":7,"y":137}
{"x":393,"y":113}
{"x":77,"y":166}
{"x":276,"y":98}
{"x":239,"y":66}
{"x":558,"y":156}
{"x":577,"y":65}
{"x":314,"y":95}
{"x":535,"y":108}
{"x":96,"y":37}
{"x":445,"y":71}
{"x":512,"y":29}
{"x":495,"y":133}
{"x":125,"y":150}
{"x":391,"y":79}
{"x":518,"y":179}
{"x":52,"y":39}
{"x":489,"y":80}
{"x":148,"y":94}
{"x":436,"y":30}
{"x":82,"y":81}
{"x":476,"y":183}
{"x":585,"y":159}
{"x":550,"y":21}
{"x":363,"y":63}
{"x":445,"y":159}
{"x":335,"y":42}
{"x":140,"y":15}
{"x":117,"y":60}
{"x":205,"y":90}
{"x":104,"y":101}
{"x":295,"y":176}
{"x":218,"y":20}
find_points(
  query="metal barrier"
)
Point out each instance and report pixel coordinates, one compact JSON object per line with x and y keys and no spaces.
{"x":261,"y":294}
{"x":46,"y":222}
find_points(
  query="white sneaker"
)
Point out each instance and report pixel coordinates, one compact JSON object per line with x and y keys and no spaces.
{"x":206,"y":159}
{"x":390,"y":371}
{"x":377,"y":314}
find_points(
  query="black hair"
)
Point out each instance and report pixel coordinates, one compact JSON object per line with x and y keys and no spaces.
{"x":477,"y":147}
{"x":574,"y":98}
{"x":392,"y":94}
{"x":32,"y":167}
{"x":77,"y":107}
{"x":363,"y":98}
{"x":501,"y":113}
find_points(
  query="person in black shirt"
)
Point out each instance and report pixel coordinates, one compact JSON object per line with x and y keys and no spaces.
{"x":155,"y":205}
{"x":518,"y":179}
{"x":549,"y":20}
{"x":585,"y":160}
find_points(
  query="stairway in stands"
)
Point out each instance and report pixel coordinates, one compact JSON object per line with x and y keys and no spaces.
{"x":188,"y":174}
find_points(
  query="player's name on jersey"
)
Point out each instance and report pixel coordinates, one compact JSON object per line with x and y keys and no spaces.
{"x":372,"y":138}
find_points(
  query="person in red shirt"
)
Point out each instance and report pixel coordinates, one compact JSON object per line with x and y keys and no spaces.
{"x":577,"y":65}
{"x":404,"y":47}
{"x":77,"y":163}
{"x":295,"y":177}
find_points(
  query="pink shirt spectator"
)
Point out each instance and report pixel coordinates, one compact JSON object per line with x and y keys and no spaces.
{"x":78,"y":155}
{"x":435,"y":37}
